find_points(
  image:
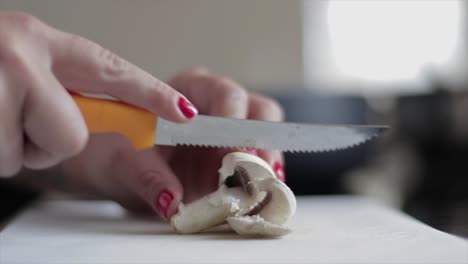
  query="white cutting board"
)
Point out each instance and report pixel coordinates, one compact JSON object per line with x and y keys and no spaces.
{"x":342,"y":229}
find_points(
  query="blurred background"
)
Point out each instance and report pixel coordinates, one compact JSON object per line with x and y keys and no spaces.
{"x":402,"y":63}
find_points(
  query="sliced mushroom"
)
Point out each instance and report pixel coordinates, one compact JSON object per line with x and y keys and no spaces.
{"x":256,"y":226}
{"x":249,"y":197}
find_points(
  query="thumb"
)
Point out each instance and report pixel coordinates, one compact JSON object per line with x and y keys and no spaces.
{"x":153,"y":181}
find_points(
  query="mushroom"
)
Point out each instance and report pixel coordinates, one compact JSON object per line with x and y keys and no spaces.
{"x":249,"y":197}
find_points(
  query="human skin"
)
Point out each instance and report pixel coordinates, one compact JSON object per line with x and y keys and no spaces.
{"x":45,"y":142}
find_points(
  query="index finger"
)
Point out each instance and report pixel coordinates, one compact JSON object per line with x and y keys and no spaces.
{"x":84,"y":66}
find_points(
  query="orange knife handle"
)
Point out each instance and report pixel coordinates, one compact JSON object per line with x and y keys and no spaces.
{"x":103,"y":116}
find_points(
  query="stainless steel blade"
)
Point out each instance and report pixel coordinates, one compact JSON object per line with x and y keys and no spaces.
{"x":228,"y":132}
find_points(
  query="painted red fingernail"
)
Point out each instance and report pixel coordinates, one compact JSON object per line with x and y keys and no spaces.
{"x":187,"y":108}
{"x":252,"y":151}
{"x":279,"y":170}
{"x":163,"y":202}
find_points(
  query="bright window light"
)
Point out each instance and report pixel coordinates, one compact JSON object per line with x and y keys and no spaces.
{"x":392,"y":40}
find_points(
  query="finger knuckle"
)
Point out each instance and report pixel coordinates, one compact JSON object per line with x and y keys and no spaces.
{"x":19,"y":21}
{"x":150,"y":182}
{"x":196,"y":71}
{"x":9,"y":169}
{"x":111,"y":64}
{"x":273,"y":107}
{"x":12,"y":54}
{"x":18,"y":29}
{"x":76,"y":142}
{"x":229,"y":90}
{"x":108,"y":64}
{"x":14,"y":58}
{"x":20,"y":32}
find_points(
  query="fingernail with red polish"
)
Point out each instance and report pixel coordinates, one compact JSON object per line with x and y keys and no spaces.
{"x":252,"y":151}
{"x":163,"y":202}
{"x":279,"y":170}
{"x":187,"y":108}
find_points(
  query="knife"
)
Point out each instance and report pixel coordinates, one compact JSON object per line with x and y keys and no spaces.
{"x":144,"y":129}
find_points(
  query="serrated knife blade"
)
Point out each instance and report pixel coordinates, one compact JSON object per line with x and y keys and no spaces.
{"x":212,"y":131}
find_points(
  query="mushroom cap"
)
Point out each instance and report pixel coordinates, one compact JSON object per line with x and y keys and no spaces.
{"x":277,"y":211}
{"x":283,"y":202}
{"x":255,"y":166}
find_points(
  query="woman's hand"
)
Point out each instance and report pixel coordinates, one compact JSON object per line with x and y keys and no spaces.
{"x":158,"y":179}
{"x":40,"y":125}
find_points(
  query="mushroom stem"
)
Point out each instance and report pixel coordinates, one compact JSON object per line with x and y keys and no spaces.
{"x":211,"y":210}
